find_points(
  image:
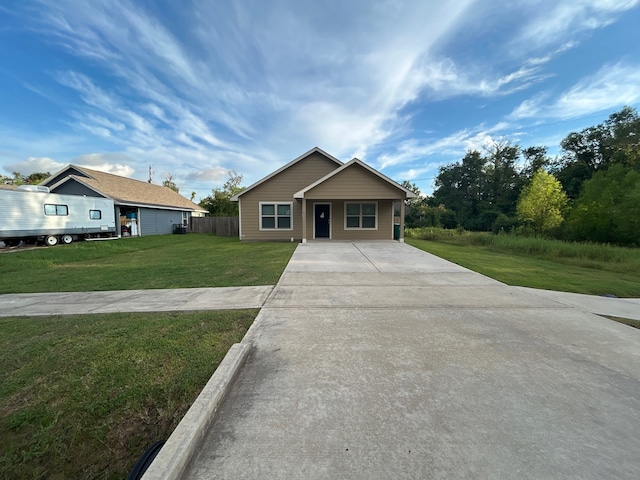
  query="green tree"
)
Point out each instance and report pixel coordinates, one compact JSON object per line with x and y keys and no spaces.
{"x":31,"y":179}
{"x":542,"y":202}
{"x":614,"y":141}
{"x":169,"y":183}
{"x":608,"y":209}
{"x":219,"y":204}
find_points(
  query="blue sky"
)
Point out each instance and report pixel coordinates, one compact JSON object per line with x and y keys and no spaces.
{"x":198,"y":88}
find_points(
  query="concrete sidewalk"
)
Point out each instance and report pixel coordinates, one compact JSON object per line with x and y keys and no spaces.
{"x":614,"y":307}
{"x":159,"y":300}
{"x":377,"y":360}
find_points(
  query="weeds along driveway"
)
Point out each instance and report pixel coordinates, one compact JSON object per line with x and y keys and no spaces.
{"x":378,"y":360}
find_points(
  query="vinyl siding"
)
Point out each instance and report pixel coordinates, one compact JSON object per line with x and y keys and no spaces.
{"x":74,"y":188}
{"x":158,"y":222}
{"x":355,"y":182}
{"x":281,"y":188}
{"x":338,"y":232}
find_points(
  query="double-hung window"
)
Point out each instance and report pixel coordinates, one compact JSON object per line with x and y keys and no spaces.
{"x":51,"y":209}
{"x":361,"y":215}
{"x":275,"y":216}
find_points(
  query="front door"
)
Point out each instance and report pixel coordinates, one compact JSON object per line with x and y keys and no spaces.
{"x":322,"y":212}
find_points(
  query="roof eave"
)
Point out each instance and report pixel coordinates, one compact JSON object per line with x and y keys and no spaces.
{"x":236,"y":197}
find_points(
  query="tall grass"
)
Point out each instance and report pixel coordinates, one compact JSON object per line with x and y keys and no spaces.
{"x":627,"y":259}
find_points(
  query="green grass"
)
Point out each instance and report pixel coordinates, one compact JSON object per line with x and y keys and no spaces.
{"x":165,"y":261}
{"x":84,"y":396}
{"x":538,"y":263}
{"x":627,"y":321}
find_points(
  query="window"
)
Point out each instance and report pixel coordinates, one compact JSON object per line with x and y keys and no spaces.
{"x":95,"y":214}
{"x":361,"y":215}
{"x":275,"y":216}
{"x":50,"y":209}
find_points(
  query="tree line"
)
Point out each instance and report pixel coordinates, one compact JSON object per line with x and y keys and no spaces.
{"x":590,"y":192}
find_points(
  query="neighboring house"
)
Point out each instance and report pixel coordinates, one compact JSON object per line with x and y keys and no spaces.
{"x":142,"y":208}
{"x":316,"y":196}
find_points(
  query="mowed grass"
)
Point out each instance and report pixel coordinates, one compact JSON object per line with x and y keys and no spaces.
{"x":84,"y":396}
{"x":538,"y":263}
{"x":165,"y":261}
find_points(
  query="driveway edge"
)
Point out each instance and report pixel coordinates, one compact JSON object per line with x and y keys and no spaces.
{"x":173,"y":459}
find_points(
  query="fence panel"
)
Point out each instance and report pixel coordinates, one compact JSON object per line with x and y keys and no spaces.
{"x":221,"y":226}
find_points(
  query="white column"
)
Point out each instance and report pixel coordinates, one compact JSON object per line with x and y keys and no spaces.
{"x":401,"y":221}
{"x":304,"y":220}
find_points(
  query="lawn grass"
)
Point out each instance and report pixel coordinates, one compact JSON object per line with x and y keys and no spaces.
{"x":164,"y":261}
{"x":614,"y":271}
{"x":84,"y":396}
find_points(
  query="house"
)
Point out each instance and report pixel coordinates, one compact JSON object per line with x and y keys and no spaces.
{"x":318,"y":197}
{"x":141,"y":208}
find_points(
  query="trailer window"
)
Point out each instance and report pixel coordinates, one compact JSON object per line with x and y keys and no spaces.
{"x":50,"y":209}
{"x":95,"y":214}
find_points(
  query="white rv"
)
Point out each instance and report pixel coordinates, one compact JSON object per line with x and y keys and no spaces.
{"x":32,"y":214}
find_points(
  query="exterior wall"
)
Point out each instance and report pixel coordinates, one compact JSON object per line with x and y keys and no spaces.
{"x":355,"y":182}
{"x":337,"y":230}
{"x":75,"y":188}
{"x":63,"y":175}
{"x":281,"y":188}
{"x":158,"y":222}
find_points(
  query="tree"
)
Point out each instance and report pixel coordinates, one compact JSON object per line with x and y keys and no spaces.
{"x":219,"y":204}
{"x":31,"y":179}
{"x":169,"y":183}
{"x":615,"y":141}
{"x":608,"y":209}
{"x":542,"y":202}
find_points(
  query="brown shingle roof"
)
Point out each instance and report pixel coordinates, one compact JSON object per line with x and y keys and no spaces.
{"x":127,"y":191}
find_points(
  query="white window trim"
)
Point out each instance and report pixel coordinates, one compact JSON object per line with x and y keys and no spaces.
{"x":275,"y":204}
{"x":360,"y":203}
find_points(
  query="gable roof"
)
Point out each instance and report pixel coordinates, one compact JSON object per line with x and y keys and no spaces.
{"x":354,"y":161}
{"x":291,"y":163}
{"x":123,"y":190}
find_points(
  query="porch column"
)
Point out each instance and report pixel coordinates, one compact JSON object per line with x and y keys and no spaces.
{"x":401,"y":221}
{"x":304,"y":220}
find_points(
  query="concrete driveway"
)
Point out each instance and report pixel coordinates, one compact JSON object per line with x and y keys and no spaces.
{"x":379,"y":361}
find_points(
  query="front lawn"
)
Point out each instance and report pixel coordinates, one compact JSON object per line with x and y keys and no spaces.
{"x":165,"y":261}
{"x":83,"y":396}
{"x":599,"y":271}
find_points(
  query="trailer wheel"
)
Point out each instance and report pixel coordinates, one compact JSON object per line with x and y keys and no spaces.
{"x":67,"y":239}
{"x":50,"y":240}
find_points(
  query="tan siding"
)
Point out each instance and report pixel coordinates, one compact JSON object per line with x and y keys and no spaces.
{"x":338,"y":232}
{"x":281,"y":189}
{"x":355,"y":182}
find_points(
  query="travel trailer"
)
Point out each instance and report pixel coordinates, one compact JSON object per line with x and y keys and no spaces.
{"x":32,"y":214}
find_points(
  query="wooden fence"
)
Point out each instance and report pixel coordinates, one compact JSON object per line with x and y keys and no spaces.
{"x":221,"y":226}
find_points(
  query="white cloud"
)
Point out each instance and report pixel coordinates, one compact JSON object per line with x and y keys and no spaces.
{"x":452,"y":146}
{"x":112,"y":162}
{"x":249,"y":85}
{"x":611,"y":87}
{"x":557,"y":20}
{"x":34,"y":165}
{"x":209,"y":174}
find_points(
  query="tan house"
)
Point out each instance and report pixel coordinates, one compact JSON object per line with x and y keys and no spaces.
{"x":142,"y":208}
{"x":317,"y":197}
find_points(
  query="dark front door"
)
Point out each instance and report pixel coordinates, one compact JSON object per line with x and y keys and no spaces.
{"x":322,"y":211}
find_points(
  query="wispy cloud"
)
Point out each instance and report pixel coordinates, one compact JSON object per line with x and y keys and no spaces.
{"x":202,"y":88}
{"x":558,"y":20}
{"x":611,"y":87}
{"x":453,"y":146}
